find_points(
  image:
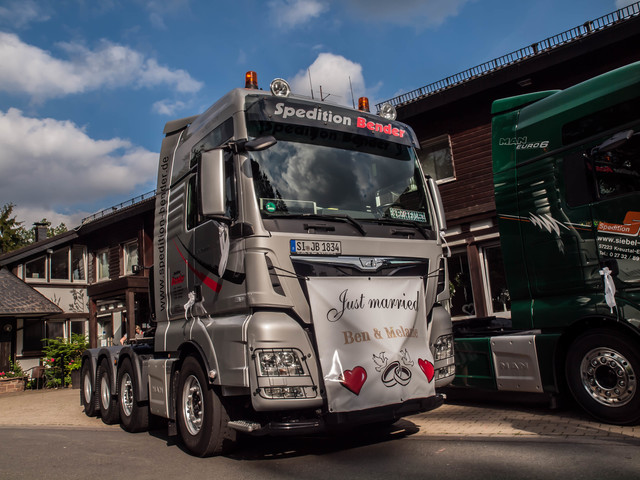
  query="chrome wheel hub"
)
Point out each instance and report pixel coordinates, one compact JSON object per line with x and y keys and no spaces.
{"x":608,"y":377}
{"x":192,"y":405}
{"x":105,"y":392}
{"x":126,"y":394}
{"x":87,"y":388}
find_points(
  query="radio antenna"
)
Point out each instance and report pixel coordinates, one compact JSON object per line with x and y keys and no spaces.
{"x":310,"y":84}
{"x":353,"y":100}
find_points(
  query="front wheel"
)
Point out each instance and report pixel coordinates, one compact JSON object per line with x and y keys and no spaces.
{"x":107,"y":402}
{"x":133,"y":415}
{"x":202,"y":418}
{"x":602,"y":370}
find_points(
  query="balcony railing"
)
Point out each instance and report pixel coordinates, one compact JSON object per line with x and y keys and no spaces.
{"x":525,"y":53}
{"x":120,"y":206}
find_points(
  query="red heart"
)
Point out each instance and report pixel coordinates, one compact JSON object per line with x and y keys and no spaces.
{"x":427,"y":368}
{"x":353,"y":380}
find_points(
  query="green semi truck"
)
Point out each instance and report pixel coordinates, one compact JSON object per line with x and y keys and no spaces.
{"x":566,"y":168}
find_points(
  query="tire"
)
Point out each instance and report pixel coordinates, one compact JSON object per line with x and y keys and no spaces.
{"x":602,"y":369}
{"x":202,"y":418}
{"x":107,"y":402}
{"x":134,"y":417}
{"x":87,"y":390}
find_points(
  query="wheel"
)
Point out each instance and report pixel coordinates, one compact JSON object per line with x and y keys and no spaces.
{"x":107,"y":402}
{"x":133,"y":416}
{"x":601,"y":371}
{"x":87,"y":392}
{"x":202,"y":418}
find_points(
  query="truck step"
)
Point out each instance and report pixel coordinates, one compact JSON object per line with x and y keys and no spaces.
{"x":244,"y":426}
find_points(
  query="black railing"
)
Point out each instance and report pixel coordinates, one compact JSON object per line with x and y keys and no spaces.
{"x":120,"y":206}
{"x":519,"y":55}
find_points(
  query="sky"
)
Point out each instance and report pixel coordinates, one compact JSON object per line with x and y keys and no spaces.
{"x":86,"y":86}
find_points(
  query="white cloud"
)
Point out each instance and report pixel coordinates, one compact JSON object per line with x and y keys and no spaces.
{"x":50,"y":166}
{"x":332,"y":73}
{"x":36,"y":72}
{"x":20,"y":14}
{"x":168,"y":107}
{"x":416,"y":13}
{"x":293,"y":13}
{"x":624,"y":3}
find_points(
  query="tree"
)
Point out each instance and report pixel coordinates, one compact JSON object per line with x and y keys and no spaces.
{"x":12,"y":234}
{"x":30,"y":235}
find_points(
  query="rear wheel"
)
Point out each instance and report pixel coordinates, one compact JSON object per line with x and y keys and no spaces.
{"x":202,"y":418}
{"x":87,"y":393}
{"x":602,"y":373}
{"x":133,"y":416}
{"x":107,"y":402}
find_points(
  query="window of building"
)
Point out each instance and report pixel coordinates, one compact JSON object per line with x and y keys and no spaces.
{"x":130,"y":256}
{"x":55,"y":329}
{"x":497,"y":282}
{"x":32,"y":334}
{"x":78,"y":264}
{"x":36,"y":269}
{"x":102,"y":265}
{"x":460,"y":285}
{"x":59,"y":265}
{"x":436,"y":158}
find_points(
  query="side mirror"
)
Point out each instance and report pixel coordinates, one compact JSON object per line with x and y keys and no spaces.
{"x":261,"y":143}
{"x":434,"y":193}
{"x":211,"y":183}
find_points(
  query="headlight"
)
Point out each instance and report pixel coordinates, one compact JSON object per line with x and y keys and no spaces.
{"x":443,"y":348}
{"x":279,"y":363}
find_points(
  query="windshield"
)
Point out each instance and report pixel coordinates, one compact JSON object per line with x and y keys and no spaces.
{"x":325,"y":172}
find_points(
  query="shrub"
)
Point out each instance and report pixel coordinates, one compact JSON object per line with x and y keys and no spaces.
{"x":62,"y":356}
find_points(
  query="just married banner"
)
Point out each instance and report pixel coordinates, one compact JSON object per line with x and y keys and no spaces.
{"x":373,"y":340}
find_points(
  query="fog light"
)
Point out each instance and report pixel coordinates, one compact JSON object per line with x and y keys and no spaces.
{"x":447,"y":371}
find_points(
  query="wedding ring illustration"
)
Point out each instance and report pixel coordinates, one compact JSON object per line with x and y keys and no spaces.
{"x":396,"y":374}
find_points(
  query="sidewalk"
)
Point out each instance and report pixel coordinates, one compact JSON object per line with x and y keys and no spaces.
{"x":460,"y":417}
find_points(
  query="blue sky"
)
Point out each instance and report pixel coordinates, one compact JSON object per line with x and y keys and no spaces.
{"x":86,"y":86}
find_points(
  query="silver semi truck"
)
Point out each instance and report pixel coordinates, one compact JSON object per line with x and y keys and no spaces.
{"x":297,"y":280}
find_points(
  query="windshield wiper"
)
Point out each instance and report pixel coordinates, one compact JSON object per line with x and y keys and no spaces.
{"x":341,"y":217}
{"x":391,"y":221}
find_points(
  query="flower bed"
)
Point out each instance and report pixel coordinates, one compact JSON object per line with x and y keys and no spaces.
{"x":12,"y":384}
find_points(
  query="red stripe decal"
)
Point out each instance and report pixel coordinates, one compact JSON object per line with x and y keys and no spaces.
{"x":209,"y":282}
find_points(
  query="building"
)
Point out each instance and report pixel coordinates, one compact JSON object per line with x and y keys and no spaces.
{"x":92,"y":280}
{"x":452,"y":120}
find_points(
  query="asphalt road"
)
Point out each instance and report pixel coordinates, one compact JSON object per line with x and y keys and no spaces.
{"x":46,"y":436}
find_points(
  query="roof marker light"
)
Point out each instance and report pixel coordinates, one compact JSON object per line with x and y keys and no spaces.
{"x":251,"y":80}
{"x":363,"y":104}
{"x":388,"y":111}
{"x":280,"y":88}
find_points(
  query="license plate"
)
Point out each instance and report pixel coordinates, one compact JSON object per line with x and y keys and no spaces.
{"x":315,"y":247}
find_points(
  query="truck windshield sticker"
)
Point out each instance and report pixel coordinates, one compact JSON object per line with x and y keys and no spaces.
{"x":401,"y":214}
{"x":372,"y":340}
{"x":333,"y":117}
